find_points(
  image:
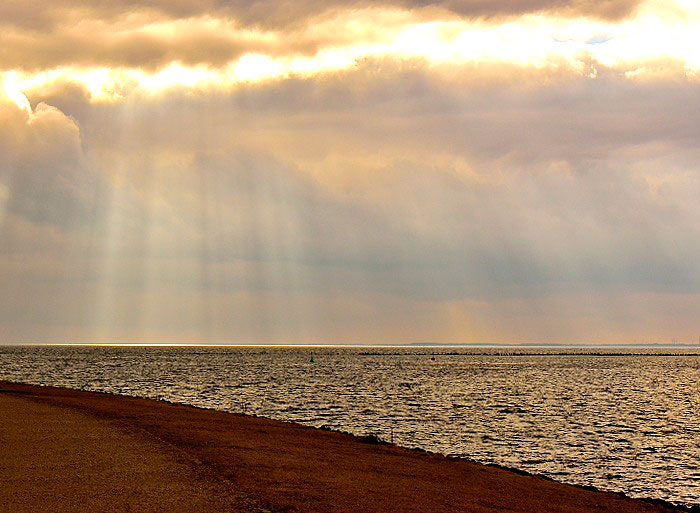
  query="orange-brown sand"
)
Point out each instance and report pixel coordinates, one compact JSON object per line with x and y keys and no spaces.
{"x":68,"y":451}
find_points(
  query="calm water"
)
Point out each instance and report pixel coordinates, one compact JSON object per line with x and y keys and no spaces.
{"x":624,"y":422}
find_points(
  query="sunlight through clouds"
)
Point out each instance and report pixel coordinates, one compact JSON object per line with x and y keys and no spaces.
{"x":349,"y":172}
{"x":661,"y":36}
{"x":13,"y":91}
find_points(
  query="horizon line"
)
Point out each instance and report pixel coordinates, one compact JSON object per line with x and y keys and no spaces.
{"x":388,"y":346}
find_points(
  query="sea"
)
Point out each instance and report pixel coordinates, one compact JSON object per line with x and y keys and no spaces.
{"x":619,"y":419}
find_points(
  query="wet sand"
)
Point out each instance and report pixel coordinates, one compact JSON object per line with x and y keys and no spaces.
{"x":68,"y":451}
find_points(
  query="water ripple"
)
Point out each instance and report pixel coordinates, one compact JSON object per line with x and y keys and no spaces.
{"x":623,"y":422}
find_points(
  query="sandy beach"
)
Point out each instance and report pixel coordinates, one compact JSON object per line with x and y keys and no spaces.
{"x":68,"y":451}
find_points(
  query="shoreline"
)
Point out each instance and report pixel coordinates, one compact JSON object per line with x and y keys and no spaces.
{"x":249,"y":463}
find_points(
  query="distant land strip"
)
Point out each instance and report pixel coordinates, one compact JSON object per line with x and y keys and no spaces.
{"x":505,"y":353}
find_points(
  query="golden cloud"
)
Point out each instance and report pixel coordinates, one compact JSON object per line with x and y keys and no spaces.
{"x":149,"y":52}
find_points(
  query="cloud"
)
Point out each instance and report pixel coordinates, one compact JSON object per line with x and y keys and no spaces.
{"x":474,"y":8}
{"x":428,"y":189}
{"x":394,"y":201}
{"x":149,"y":36}
{"x":33,"y":14}
{"x":135,"y":39}
{"x":42,"y":172}
{"x":492,"y":122}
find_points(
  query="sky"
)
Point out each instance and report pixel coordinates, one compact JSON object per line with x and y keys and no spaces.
{"x":355,"y":172}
